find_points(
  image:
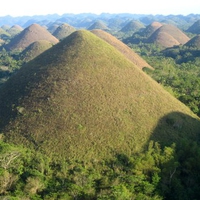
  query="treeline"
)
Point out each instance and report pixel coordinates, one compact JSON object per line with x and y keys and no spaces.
{"x":171,"y":172}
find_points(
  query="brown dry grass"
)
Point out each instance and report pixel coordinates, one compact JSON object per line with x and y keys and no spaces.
{"x":168,"y":35}
{"x":151,"y":29}
{"x":123,"y":48}
{"x":29,"y":35}
{"x":164,"y":39}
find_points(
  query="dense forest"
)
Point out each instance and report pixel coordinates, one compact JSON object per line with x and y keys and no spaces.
{"x":156,"y":173}
{"x":160,"y":170}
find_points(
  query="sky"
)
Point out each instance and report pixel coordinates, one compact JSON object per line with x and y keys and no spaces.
{"x":43,"y":7}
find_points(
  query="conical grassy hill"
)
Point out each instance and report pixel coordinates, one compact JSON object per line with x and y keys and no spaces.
{"x":123,"y":48}
{"x":194,"y":42}
{"x":168,"y":36}
{"x":35,"y":49}
{"x":98,"y":25}
{"x":195,"y":28}
{"x":63,"y":31}
{"x":29,"y":35}
{"x":14,"y":30}
{"x":151,"y":28}
{"x":4,"y":34}
{"x":82,"y":99}
{"x":163,"y":39}
{"x":132,"y":26}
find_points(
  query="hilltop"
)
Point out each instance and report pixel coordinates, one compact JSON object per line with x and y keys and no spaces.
{"x":194,"y":42}
{"x":14,"y":30}
{"x":168,"y":36}
{"x":82,"y":99}
{"x":132,"y":26}
{"x":98,"y":25}
{"x":29,"y":35}
{"x":195,"y":28}
{"x":151,"y":28}
{"x":63,"y":31}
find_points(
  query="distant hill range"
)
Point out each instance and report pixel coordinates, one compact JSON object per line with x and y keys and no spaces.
{"x":84,"y":100}
{"x":113,"y":21}
{"x":31,"y":34}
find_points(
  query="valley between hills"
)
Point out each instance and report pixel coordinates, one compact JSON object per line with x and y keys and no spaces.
{"x":100,"y":107}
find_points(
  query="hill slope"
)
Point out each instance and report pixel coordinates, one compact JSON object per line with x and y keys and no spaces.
{"x":35,"y":49}
{"x":123,"y":48}
{"x":168,"y":36}
{"x":164,"y":39}
{"x":151,"y":28}
{"x":82,"y":99}
{"x":194,"y":42}
{"x":195,"y":28}
{"x":29,"y":35}
{"x":63,"y":31}
{"x":14,"y":30}
{"x":98,"y":25}
{"x":132,"y":26}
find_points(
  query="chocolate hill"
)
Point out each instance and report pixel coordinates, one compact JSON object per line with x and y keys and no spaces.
{"x":195,"y":28}
{"x":82,"y":99}
{"x":29,"y":35}
{"x":98,"y":25}
{"x":168,"y":36}
{"x":132,"y":26}
{"x":53,"y":27}
{"x":194,"y":42}
{"x":14,"y":30}
{"x":123,"y":48}
{"x":35,"y":49}
{"x":151,"y":28}
{"x":63,"y":31}
{"x":4,"y":34}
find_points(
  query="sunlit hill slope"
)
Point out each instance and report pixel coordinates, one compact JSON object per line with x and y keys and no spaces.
{"x":82,"y":99}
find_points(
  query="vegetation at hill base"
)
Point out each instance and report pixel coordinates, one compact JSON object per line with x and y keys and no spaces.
{"x":155,"y":173}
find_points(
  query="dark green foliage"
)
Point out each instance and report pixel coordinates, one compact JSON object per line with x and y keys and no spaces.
{"x":170,"y":172}
{"x":8,"y":65}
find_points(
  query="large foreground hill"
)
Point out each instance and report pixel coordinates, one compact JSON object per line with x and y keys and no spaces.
{"x":82,"y":99}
